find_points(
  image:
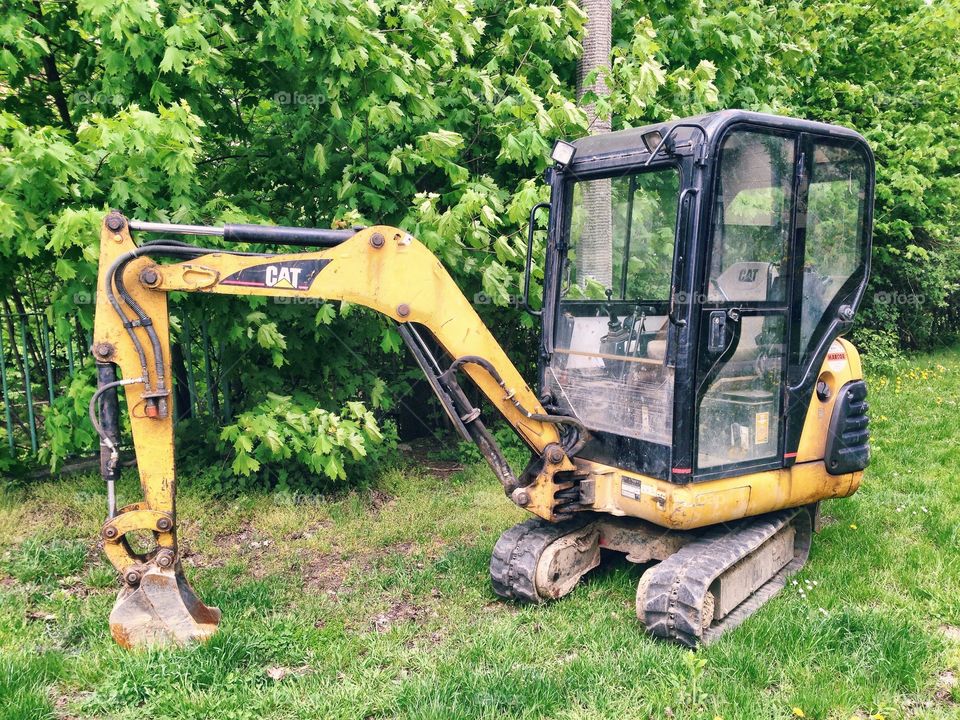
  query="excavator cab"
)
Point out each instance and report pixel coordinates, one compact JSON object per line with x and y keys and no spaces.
{"x":695,"y":399}
{"x":697,"y":275}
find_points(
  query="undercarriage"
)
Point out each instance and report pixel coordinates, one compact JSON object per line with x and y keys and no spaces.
{"x":702,"y":583}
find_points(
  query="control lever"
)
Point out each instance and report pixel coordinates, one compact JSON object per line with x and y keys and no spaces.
{"x":614,"y":323}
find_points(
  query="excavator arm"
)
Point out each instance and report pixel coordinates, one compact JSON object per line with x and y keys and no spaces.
{"x":380,"y":267}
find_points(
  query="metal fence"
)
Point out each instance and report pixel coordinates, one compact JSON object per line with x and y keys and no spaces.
{"x":33,"y":364}
{"x":36,"y":368}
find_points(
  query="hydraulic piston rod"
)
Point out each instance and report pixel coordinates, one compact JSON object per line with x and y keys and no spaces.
{"x":277,"y":234}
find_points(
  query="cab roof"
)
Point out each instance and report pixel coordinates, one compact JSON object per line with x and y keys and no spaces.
{"x":629,"y":145}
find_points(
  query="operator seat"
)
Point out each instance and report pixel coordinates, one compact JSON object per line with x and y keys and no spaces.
{"x":746,"y":281}
{"x":749,"y":282}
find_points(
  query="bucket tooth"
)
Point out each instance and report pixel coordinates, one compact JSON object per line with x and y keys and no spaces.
{"x":161,"y":610}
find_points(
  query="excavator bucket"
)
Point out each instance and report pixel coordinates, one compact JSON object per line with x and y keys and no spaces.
{"x":161,"y":610}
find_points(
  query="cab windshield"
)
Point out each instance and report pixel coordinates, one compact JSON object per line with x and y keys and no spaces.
{"x":609,"y":368}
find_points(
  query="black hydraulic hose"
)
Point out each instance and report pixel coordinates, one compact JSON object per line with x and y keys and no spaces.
{"x":111,"y":272}
{"x":165,"y":241}
{"x":108,"y":441}
{"x":115,"y":276}
{"x":143,"y":319}
{"x":511,"y":395}
{"x":575,"y":445}
{"x":170,"y":243}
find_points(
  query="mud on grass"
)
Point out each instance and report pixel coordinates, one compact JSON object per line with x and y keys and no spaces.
{"x":377,"y":605}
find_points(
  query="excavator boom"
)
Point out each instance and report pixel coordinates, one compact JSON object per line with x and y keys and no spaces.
{"x":380,"y":267}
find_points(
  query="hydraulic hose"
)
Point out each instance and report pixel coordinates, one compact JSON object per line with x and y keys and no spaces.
{"x":582,"y":432}
{"x":107,"y":439}
{"x":115,"y":277}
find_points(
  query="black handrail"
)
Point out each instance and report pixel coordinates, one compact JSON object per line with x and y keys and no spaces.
{"x":529,"y":263}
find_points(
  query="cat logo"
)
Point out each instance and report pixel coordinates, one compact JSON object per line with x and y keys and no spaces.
{"x":281,"y":277}
{"x":287,"y":275}
{"x":748,"y":275}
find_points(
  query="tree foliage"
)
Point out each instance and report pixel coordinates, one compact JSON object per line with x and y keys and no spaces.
{"x":436,"y":116}
{"x":306,"y":443}
{"x":890,"y":70}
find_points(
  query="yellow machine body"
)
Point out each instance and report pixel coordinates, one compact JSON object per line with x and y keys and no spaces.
{"x":695,"y":505}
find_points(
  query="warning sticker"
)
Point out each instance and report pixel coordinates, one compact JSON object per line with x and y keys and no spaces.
{"x":761,"y":430}
{"x":633,"y":488}
{"x":837,"y":357}
{"x":630,"y":488}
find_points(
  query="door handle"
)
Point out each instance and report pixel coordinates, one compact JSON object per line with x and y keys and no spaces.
{"x":718,"y":329}
{"x":717,"y":332}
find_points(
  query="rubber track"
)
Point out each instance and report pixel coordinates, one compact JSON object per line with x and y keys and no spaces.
{"x":513,"y":564}
{"x":679,"y":584}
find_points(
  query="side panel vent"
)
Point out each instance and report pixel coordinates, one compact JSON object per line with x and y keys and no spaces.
{"x":848,"y":440}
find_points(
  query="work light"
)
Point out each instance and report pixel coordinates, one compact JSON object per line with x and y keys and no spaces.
{"x":563,"y":153}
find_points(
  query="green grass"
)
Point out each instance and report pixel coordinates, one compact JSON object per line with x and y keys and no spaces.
{"x":377,"y":604}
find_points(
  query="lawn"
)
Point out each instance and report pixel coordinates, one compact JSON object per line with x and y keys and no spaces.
{"x":377,"y":604}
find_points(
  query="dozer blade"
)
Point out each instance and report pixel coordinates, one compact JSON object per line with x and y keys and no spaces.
{"x":161,"y":610}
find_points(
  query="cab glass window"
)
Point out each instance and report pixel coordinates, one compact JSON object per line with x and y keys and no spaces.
{"x":835,"y":242}
{"x":751,"y":229}
{"x":610,"y":363}
{"x":621,"y":238}
{"x":741,"y":378}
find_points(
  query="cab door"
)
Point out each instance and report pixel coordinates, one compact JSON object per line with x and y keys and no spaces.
{"x":744,"y":313}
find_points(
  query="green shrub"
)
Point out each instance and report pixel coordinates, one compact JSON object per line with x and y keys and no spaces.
{"x":291,"y":442}
{"x":879,"y":350}
{"x":514,"y":449}
{"x":69,"y":432}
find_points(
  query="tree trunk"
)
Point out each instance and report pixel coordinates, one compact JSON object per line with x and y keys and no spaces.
{"x":53,"y":78}
{"x":181,"y":385}
{"x":595,"y":248}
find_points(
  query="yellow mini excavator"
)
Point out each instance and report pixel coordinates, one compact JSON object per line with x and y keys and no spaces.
{"x":695,"y":399}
